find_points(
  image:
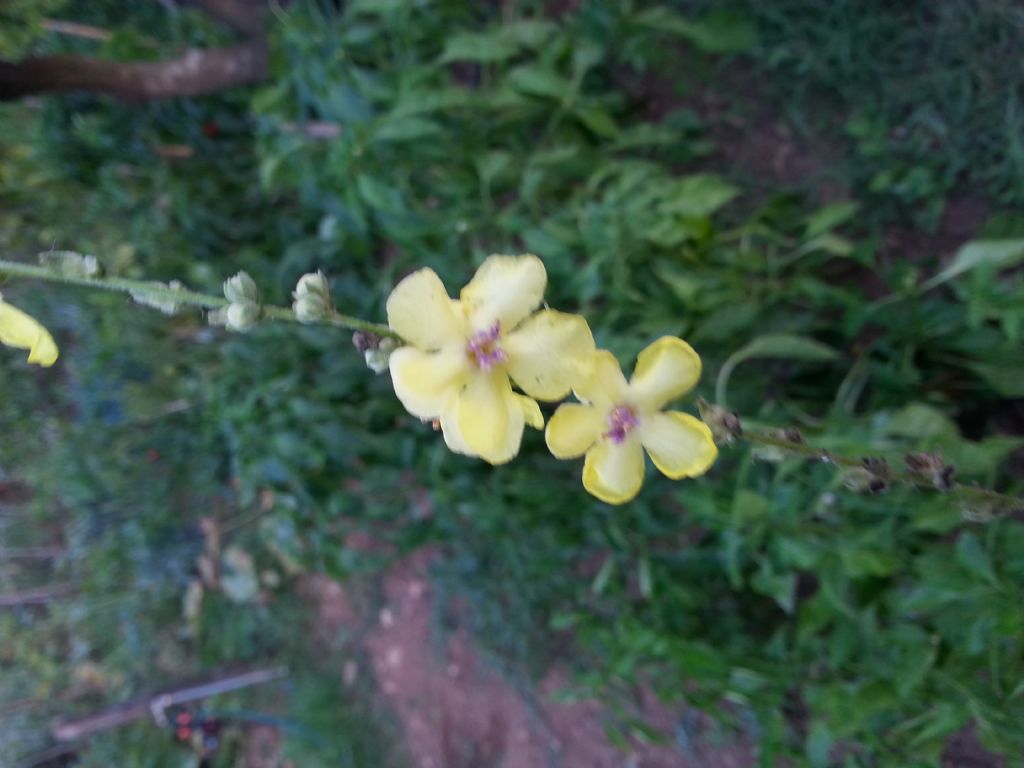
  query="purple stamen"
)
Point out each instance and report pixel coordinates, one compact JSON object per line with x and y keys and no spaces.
{"x":621,"y":421}
{"x":483,"y":347}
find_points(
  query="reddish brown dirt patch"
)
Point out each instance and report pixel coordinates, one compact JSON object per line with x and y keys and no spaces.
{"x":458,"y":711}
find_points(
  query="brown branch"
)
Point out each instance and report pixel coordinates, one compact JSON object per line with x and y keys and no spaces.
{"x":154,"y":705}
{"x":195,"y":73}
{"x":74,"y":29}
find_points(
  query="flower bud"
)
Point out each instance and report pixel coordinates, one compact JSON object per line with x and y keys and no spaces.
{"x":725,"y":425}
{"x":241,"y":289}
{"x":378,"y":357}
{"x":165,"y":304}
{"x":241,"y":316}
{"x":312,"y":298}
{"x":70,"y":264}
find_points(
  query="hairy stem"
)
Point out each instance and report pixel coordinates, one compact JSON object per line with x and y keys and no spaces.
{"x":164,"y":293}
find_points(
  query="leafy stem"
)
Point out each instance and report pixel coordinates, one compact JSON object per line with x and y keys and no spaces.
{"x":923,"y":470}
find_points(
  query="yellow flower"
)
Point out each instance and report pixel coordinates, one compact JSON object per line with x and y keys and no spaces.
{"x":24,"y":332}
{"x":618,"y":420}
{"x":462,"y":353}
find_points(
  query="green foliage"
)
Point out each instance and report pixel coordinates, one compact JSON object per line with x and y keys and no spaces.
{"x":886,"y":622}
{"x":923,"y":88}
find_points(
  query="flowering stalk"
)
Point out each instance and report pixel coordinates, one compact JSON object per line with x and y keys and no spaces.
{"x":162,"y":293}
{"x":923,"y":471}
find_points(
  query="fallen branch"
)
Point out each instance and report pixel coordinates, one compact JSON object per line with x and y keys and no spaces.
{"x":195,"y":73}
{"x":154,"y":705}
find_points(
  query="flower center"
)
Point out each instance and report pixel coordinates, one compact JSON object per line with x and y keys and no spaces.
{"x":621,"y":421}
{"x":484,"y":348}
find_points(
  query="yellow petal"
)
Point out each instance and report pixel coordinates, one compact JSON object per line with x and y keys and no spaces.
{"x":549,"y":353}
{"x":428,"y":382}
{"x":614,"y":472}
{"x":452,"y":437}
{"x":420,"y":311}
{"x":489,"y":417}
{"x":531,"y":411}
{"x":679,"y":444}
{"x":23,"y":331}
{"x":506,"y":289}
{"x":574,"y":429}
{"x":602,"y":383}
{"x":665,"y":370}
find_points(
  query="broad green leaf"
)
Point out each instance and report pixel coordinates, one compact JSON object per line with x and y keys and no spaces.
{"x":922,"y":422}
{"x":780,"y":345}
{"x":536,"y":80}
{"x":698,"y":195}
{"x":529,"y":33}
{"x":999,"y":254}
{"x":830,"y":217}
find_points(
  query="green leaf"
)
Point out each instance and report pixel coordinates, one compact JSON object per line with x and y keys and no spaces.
{"x":721,"y":31}
{"x":1006,"y":379}
{"x":972,"y":556}
{"x":922,"y":422}
{"x":830,"y":217}
{"x":780,"y":345}
{"x":483,"y":47}
{"x":819,"y":744}
{"x":536,"y":80}
{"x":998,"y":254}
{"x":528,"y":33}
{"x":406,"y":129}
{"x":698,"y":195}
{"x":780,"y":587}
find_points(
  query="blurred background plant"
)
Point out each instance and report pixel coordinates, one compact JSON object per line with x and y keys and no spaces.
{"x":178,"y":485}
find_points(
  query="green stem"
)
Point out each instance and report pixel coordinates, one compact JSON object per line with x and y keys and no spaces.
{"x":193,"y":298}
{"x":967,"y":493}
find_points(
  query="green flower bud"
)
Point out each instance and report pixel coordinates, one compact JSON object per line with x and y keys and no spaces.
{"x":165,"y":304}
{"x":70,"y":264}
{"x":377,"y":358}
{"x":241,"y":289}
{"x":312,"y":298}
{"x":241,"y":316}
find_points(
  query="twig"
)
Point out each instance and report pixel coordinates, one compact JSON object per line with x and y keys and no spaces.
{"x":155,"y":705}
{"x":74,"y":29}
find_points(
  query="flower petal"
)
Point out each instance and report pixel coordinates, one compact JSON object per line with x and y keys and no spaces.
{"x":452,"y":437}
{"x":574,"y":429}
{"x":420,"y":311}
{"x":665,"y":370}
{"x":602,"y":383}
{"x":23,"y":331}
{"x":549,"y":353}
{"x":489,"y":417}
{"x":428,"y":382}
{"x":506,"y":289}
{"x":531,"y":411}
{"x":613,"y":471}
{"x":679,"y":444}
